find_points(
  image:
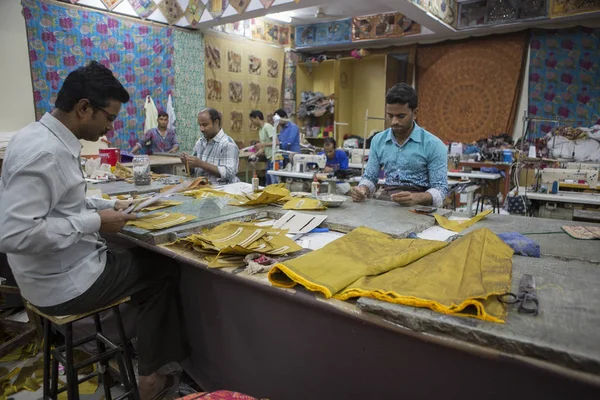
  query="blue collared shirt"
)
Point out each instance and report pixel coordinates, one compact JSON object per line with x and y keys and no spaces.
{"x":421,"y":160}
{"x":339,"y":160}
{"x":289,"y":138}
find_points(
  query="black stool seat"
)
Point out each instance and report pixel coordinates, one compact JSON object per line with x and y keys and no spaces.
{"x":64,"y":354}
{"x":492,"y":199}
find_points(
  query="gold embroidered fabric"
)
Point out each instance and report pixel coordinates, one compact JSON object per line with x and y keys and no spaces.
{"x":304,"y":204}
{"x":161,"y":205}
{"x":161,"y":220}
{"x":459,"y":226}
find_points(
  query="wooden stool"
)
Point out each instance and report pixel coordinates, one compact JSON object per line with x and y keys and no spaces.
{"x":64,"y":355}
{"x":493,"y":199}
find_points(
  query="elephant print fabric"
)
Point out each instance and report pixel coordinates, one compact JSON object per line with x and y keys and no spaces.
{"x":140,"y":56}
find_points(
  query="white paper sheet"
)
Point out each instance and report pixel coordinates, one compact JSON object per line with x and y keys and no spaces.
{"x":299,"y":223}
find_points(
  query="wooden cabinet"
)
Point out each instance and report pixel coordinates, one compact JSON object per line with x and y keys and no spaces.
{"x":357,"y":85}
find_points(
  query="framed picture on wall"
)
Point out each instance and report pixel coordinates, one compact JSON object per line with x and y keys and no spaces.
{"x":110,"y":4}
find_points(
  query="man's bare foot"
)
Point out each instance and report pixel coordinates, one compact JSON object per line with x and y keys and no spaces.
{"x":150,"y":386}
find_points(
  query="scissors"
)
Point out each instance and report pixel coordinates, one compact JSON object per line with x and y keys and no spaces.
{"x":529,"y":303}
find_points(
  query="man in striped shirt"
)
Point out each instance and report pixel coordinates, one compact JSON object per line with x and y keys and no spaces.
{"x":215,"y":155}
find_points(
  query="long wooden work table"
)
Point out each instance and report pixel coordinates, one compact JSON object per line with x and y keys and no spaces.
{"x":278,"y":343}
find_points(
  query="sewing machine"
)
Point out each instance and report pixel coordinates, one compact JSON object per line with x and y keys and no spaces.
{"x":356,"y":156}
{"x":590,"y":176}
{"x":308,"y":162}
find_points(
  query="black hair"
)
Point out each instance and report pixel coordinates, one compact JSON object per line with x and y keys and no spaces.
{"x":163,"y":114}
{"x":257,"y":114}
{"x":330,"y":140}
{"x":402,"y":94}
{"x":281,"y":112}
{"x":94,"y":82}
{"x":214,"y":115}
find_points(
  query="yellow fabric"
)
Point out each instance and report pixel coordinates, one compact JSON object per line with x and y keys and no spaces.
{"x":459,"y":226}
{"x":271,"y":194}
{"x":162,"y":204}
{"x":462,"y":278}
{"x":304,"y":204}
{"x":362,"y":252}
{"x":220,"y":245}
{"x":204,"y":193}
{"x":161,"y":220}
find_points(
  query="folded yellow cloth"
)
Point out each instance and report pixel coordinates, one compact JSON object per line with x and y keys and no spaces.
{"x":462,"y":278}
{"x":222,"y":244}
{"x":304,"y":204}
{"x":271,"y":194}
{"x":161,"y":220}
{"x":459,"y":226}
{"x":362,"y":252}
{"x":162,"y":204}
{"x":207,"y":192}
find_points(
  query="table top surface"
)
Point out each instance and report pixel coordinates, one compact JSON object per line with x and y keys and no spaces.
{"x":565,"y":332}
{"x":563,"y":197}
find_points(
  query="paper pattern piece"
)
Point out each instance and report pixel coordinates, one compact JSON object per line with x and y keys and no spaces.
{"x":296,"y":222}
{"x":234,"y":61}
{"x":213,"y":57}
{"x":171,"y":10}
{"x":161,"y":220}
{"x":143,"y":8}
{"x":254,"y":64}
{"x":235,"y":92}
{"x":194,"y":11}
{"x":110,"y":4}
{"x":215,"y":89}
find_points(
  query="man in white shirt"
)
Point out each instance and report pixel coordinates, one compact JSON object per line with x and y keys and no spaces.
{"x":51,"y":231}
{"x":215,"y":155}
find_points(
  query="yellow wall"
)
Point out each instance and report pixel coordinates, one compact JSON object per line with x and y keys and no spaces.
{"x":324,"y":77}
{"x":368,"y":85}
{"x":344,"y":100}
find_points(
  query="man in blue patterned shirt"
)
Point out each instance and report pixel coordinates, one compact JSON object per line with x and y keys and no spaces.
{"x":414,"y":161}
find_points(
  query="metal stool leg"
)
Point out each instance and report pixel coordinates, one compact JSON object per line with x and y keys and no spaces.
{"x":54,"y":384}
{"x":127,"y":354}
{"x":72,"y":380}
{"x":46,"y":387}
{"x":106,"y":379}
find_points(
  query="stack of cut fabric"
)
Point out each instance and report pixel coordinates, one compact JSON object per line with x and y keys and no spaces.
{"x":228,"y":244}
{"x":460,"y":278}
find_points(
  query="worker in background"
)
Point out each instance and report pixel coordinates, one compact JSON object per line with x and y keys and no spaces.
{"x":215,"y":155}
{"x":415,"y":161}
{"x":160,"y":139}
{"x":337,"y":160}
{"x":289,"y":135}
{"x":264,"y":147}
{"x":51,"y":230}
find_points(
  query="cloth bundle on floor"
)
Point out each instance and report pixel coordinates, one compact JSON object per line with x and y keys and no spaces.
{"x":460,"y":278}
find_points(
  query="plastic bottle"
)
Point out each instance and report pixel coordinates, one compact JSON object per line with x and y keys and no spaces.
{"x":255,"y":183}
{"x":314,"y":188}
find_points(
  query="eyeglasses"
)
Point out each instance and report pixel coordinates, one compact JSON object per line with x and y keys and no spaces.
{"x":109,"y":116}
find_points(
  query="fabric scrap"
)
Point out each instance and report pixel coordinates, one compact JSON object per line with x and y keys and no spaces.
{"x":303,"y":204}
{"x":459,"y":226}
{"x":521,"y":245}
{"x":582,"y":232}
{"x":162,"y":204}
